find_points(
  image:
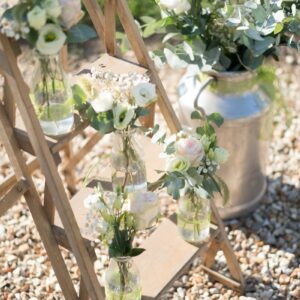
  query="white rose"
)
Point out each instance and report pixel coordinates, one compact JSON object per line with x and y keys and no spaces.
{"x":178,"y":164}
{"x":103,"y":102}
{"x":191,"y":148}
{"x":146,"y":208}
{"x":220,"y":155}
{"x":123,"y":114}
{"x":144,"y":94}
{"x":71,"y":12}
{"x":37,"y":18}
{"x":52,"y":8}
{"x":183,"y":7}
{"x":51,"y":39}
{"x":179,"y":6}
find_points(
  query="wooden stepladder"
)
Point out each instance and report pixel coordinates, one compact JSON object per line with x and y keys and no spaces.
{"x":59,"y":220}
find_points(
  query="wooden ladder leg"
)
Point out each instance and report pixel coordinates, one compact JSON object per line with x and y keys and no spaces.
{"x":35,"y":207}
{"x":222,"y":243}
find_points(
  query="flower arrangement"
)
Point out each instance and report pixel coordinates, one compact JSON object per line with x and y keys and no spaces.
{"x":108,"y":220}
{"x":192,"y":159}
{"x":226,"y":35}
{"x":114,"y":102}
{"x":45,"y":24}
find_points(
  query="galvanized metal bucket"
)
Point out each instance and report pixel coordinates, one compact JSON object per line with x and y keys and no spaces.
{"x":237,"y":96}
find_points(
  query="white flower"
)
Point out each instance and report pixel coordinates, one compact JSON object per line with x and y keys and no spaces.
{"x":178,"y":164}
{"x":144,"y":94}
{"x":52,"y":8}
{"x":220,"y":155}
{"x":146,"y":208}
{"x":90,"y":200}
{"x":123,"y":114}
{"x":51,"y":39}
{"x":37,"y":18}
{"x":179,"y":6}
{"x":103,"y":102}
{"x":71,"y":12}
{"x":279,"y":16}
{"x":191,"y":148}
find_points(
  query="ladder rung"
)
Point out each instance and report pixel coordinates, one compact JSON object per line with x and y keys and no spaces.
{"x":16,"y":192}
{"x":62,"y":240}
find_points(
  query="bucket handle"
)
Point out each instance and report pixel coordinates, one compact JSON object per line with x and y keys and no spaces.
{"x":206,"y":83}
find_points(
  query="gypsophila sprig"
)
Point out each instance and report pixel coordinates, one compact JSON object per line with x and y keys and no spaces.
{"x":108,"y":220}
{"x":226,"y":35}
{"x":113,"y":102}
{"x":45,"y":24}
{"x":192,"y":159}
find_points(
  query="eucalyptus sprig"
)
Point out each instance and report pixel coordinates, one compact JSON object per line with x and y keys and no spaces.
{"x":226,"y":35}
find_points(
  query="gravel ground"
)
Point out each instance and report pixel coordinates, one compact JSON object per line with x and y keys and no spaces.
{"x":266,"y":242}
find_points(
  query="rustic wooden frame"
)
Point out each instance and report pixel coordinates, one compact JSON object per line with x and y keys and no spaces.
{"x":45,"y":151}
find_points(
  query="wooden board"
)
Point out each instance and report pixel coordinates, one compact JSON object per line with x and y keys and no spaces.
{"x":107,"y":63}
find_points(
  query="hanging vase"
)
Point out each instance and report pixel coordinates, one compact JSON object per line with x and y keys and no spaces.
{"x":122,"y":280}
{"x":193,"y":218}
{"x":51,"y":95}
{"x":129,"y":171}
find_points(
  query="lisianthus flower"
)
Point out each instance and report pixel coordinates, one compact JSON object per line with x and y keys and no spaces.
{"x":103,"y":102}
{"x":123,"y":114}
{"x":51,"y":39}
{"x":144,"y":94}
{"x":37,"y":17}
{"x":191,"y":148}
{"x":52,"y":8}
{"x":178,"y":164}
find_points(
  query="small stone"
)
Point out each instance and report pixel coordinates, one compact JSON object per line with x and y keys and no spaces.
{"x":181,"y":292}
{"x":284,"y":279}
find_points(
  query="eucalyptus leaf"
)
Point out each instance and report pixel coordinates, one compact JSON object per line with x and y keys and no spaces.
{"x":80,"y":33}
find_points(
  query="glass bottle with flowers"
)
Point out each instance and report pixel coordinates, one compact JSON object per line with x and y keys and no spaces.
{"x":46,"y":26}
{"x":108,"y":220}
{"x":113,"y":103}
{"x":192,"y":159}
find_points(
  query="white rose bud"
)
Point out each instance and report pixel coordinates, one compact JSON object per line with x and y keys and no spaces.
{"x":71,"y":12}
{"x":37,"y":18}
{"x":144,"y":94}
{"x":179,"y":6}
{"x":103,"y":102}
{"x":51,"y":39}
{"x":52,"y":8}
{"x":146,"y":208}
{"x":178,"y":164}
{"x":191,"y":148}
{"x":220,"y":155}
{"x":123,"y":114}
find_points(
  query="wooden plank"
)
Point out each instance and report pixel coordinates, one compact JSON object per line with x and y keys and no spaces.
{"x":95,"y":12}
{"x":107,"y":63}
{"x":144,"y":59}
{"x":110,"y":26}
{"x":13,"y":196}
{"x":215,"y":276}
{"x":9,"y":105}
{"x":50,"y":171}
{"x":35,"y":207}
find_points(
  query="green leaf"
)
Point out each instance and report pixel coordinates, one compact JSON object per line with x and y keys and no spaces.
{"x":278,"y":28}
{"x":136,"y":251}
{"x":224,"y":191}
{"x":170,"y":148}
{"x":81,"y":33}
{"x":174,"y":184}
{"x":216,"y":118}
{"x":155,"y":129}
{"x":253,"y":34}
{"x":195,"y":115}
{"x":79,"y":96}
{"x":102,"y":122}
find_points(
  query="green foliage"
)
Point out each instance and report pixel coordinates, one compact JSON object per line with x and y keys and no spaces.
{"x":226,"y":35}
{"x":81,"y":33}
